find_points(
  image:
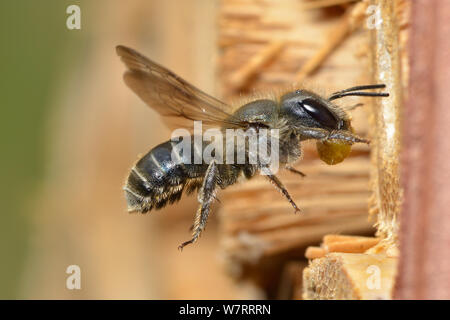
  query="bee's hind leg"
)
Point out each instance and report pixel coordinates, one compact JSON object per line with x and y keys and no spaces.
{"x":205,"y":196}
{"x":196,"y":227}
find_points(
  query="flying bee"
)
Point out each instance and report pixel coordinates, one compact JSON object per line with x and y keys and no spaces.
{"x":157,"y":180}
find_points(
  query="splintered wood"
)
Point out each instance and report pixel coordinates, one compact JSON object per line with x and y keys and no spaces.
{"x":265,"y":45}
{"x":353,"y":276}
{"x":390,"y":66}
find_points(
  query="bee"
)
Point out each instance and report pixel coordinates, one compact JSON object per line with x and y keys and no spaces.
{"x":157,"y":180}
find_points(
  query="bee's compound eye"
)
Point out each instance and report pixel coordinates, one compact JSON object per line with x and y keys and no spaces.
{"x":320,"y":113}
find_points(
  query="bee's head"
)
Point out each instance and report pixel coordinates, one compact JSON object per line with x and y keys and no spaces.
{"x":314,"y":117}
{"x":306,"y":109}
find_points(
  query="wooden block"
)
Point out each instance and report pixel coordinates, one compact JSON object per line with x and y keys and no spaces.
{"x":352,"y":276}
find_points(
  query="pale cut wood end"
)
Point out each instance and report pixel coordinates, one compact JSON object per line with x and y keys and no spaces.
{"x":354,"y":276}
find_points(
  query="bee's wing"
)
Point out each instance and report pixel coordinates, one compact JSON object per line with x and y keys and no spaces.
{"x":174,"y":98}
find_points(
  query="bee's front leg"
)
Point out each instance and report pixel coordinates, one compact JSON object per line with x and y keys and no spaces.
{"x":322,"y":134}
{"x":313,"y":133}
{"x":347,"y":136}
{"x":205,"y":197}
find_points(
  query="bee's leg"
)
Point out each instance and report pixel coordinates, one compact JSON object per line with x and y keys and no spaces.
{"x":322,"y":134}
{"x":196,"y":231}
{"x":314,"y":133}
{"x":205,"y":196}
{"x":280,"y":187}
{"x":291,"y":169}
{"x":347,"y":136}
{"x":215,"y":198}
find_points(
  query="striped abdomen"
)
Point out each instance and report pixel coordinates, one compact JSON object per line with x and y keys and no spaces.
{"x":156,"y":180}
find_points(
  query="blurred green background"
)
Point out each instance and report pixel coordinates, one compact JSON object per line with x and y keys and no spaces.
{"x":34,"y":43}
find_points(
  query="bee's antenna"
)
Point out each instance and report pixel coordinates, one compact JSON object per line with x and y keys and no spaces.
{"x":364,"y":87}
{"x":363,"y":94}
{"x":353,"y":91}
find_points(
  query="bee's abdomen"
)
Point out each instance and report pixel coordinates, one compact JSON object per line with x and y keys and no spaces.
{"x":157,"y":180}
